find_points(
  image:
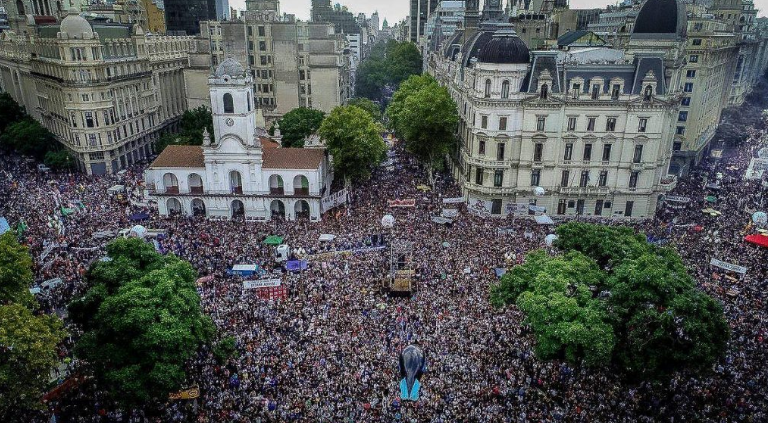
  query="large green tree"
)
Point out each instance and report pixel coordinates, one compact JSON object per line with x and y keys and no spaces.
{"x":28,"y":137}
{"x":16,"y":275}
{"x":298,"y":124}
{"x":191,"y":127}
{"x":27,"y":355}
{"x":10,"y":111}
{"x":142,"y":321}
{"x":369,"y":106}
{"x":389,"y":64}
{"x":59,"y":160}
{"x":612,"y":297}
{"x":424,"y":114}
{"x":354,"y":140}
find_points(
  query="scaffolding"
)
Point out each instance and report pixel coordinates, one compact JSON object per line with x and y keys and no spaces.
{"x":401,"y":270}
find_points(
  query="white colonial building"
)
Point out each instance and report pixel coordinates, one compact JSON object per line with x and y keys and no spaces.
{"x":239,"y":173}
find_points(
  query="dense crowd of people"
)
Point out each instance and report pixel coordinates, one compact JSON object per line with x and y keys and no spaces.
{"x":328,"y":351}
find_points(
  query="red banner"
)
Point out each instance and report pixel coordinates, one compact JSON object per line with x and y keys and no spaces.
{"x":408,"y":202}
{"x":272,"y":293}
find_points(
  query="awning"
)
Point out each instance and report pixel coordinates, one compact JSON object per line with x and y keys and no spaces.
{"x":544,"y":220}
{"x":273,"y":240}
{"x":760,"y":240}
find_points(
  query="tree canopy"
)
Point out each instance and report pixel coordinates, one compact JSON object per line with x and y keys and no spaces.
{"x":142,"y":321}
{"x":10,"y":111}
{"x":389,"y":64}
{"x":192,"y":124}
{"x":369,"y":106}
{"x":28,"y":345}
{"x":28,"y":137}
{"x":423,"y":113}
{"x":298,"y":124}
{"x":15,"y":271}
{"x":613,"y":298}
{"x":354,"y":140}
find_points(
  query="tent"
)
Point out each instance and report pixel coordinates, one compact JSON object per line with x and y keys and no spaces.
{"x":544,"y":220}
{"x":760,"y":240}
{"x":326,"y":237}
{"x":139,"y":216}
{"x":4,"y":226}
{"x":273,"y":240}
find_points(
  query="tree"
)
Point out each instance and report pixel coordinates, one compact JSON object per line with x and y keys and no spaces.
{"x":10,"y":111}
{"x":354,"y":140}
{"x":191,"y":125}
{"x":614,"y":298}
{"x":59,"y":160}
{"x":389,"y":64}
{"x":142,"y":321}
{"x":298,"y":124}
{"x":27,"y":356}
{"x":425,"y":116}
{"x":367,"y":105}
{"x":28,"y":137}
{"x":404,"y":60}
{"x":15,"y":271}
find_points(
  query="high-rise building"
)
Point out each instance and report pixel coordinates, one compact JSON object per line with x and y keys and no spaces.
{"x":222,"y":10}
{"x":343,"y":20}
{"x":183,"y":17}
{"x":421,"y":10}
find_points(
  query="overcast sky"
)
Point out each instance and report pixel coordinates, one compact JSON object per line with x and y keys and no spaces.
{"x":395,"y":10}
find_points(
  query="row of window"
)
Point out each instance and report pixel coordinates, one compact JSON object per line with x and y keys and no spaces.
{"x":565,"y":178}
{"x":538,"y":152}
{"x":541,"y":121}
{"x":563,"y":205}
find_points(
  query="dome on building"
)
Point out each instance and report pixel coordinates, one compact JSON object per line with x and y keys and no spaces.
{"x":505,"y":47}
{"x":229,"y":67}
{"x":75,"y":26}
{"x":666,"y":17}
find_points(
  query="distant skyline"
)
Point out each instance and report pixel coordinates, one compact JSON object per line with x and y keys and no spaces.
{"x":396,"y":10}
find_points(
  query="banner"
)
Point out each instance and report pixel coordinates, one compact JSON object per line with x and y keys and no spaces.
{"x":516,"y":208}
{"x":272,"y":293}
{"x":453,"y":200}
{"x":334,"y":200}
{"x":537,"y":209}
{"x":190,"y":393}
{"x":441,"y":220}
{"x":262,"y":283}
{"x":450,"y":213}
{"x":296,"y":265}
{"x":728,"y":266}
{"x":677,"y":199}
{"x":409,"y":202}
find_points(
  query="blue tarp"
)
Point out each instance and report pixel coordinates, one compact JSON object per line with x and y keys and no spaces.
{"x":414,"y":394}
{"x":4,"y":226}
{"x":139,"y":216}
{"x":296,"y":265}
{"x":500,"y":271}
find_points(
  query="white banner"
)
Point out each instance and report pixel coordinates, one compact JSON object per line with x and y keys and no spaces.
{"x":677,"y":199}
{"x":334,"y":200}
{"x":451,"y":213}
{"x":454,"y":200}
{"x":516,"y":208}
{"x":441,"y":220}
{"x":262,"y":283}
{"x":728,"y":266}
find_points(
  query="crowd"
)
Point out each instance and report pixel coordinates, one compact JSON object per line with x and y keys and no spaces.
{"x":328,"y":351}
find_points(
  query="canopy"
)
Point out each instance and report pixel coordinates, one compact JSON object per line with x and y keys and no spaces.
{"x":760,"y":240}
{"x":4,"y":226}
{"x":544,"y":220}
{"x":327,"y":237}
{"x":139,"y":216}
{"x":273,"y":240}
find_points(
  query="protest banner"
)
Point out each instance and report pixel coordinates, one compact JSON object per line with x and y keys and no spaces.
{"x":408,"y":202}
{"x":453,"y":200}
{"x":334,"y":200}
{"x":728,"y":266}
{"x":262,"y":283}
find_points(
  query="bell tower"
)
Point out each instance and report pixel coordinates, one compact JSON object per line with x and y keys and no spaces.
{"x":232,"y":103}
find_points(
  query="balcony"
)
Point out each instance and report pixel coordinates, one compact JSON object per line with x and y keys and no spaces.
{"x":490,"y":190}
{"x":668,"y":183}
{"x":237,"y":190}
{"x":276,"y":191}
{"x":196,"y":190}
{"x":172,"y":190}
{"x":301,"y":191}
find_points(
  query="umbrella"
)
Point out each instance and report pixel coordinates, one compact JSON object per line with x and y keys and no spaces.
{"x":711,"y":198}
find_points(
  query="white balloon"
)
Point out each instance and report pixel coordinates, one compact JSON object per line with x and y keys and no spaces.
{"x":388,"y":221}
{"x":550,"y":239}
{"x":539,"y":191}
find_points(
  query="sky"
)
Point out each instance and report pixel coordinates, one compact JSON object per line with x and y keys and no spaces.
{"x":396,"y":10}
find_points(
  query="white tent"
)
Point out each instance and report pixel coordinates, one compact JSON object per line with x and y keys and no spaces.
{"x":544,"y":220}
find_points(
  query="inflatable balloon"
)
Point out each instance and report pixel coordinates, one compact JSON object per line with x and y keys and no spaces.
{"x":539,"y":191}
{"x":138,"y":231}
{"x":412,"y":366}
{"x":760,"y":218}
{"x":388,"y":221}
{"x":550,"y":239}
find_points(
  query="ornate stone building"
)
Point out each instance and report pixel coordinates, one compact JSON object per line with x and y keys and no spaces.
{"x":106,"y":91}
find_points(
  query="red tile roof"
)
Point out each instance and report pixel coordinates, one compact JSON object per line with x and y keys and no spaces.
{"x":180,"y":156}
{"x":293,"y":158}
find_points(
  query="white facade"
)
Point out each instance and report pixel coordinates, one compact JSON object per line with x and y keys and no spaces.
{"x":240,"y":173}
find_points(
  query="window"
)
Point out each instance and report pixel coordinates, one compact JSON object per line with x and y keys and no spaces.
{"x":487,"y":88}
{"x":633,"y":179}
{"x":496,"y":206}
{"x":262,"y":46}
{"x":638,"y":156}
{"x":598,"y":207}
{"x":250,"y":31}
{"x":538,"y":151}
{"x":544,"y":91}
{"x":479,"y":176}
{"x":694,"y":58}
{"x":691,"y":73}
{"x":568,"y":152}
{"x":587,"y":152}
{"x":229,"y":104}
{"x":642,"y":125}
{"x":500,"y":151}
{"x":677,"y":145}
{"x":686,"y":101}
{"x":628,"y":208}
{"x":262,"y":31}
{"x":696,"y":41}
{"x":682,"y":117}
{"x":484,"y":122}
{"x":610,"y":124}
{"x":503,"y":123}
{"x":579,"y":207}
{"x":561,"y":206}
{"x":564,"y":178}
{"x":584,"y":178}
{"x":535,"y":177}
{"x":648,"y":93}
{"x":481,"y":147}
{"x":688,"y":87}
{"x":576,"y":90}
{"x":595,"y":91}
{"x":89,"y":119}
{"x":603,"y":179}
{"x":571,"y":123}
{"x":571,"y":204}
{"x":498,"y":178}
{"x":615,"y":91}
{"x":540,"y":123}
{"x":680,"y":130}
{"x":505,"y":89}
{"x":607,"y":152}
{"x":591,"y":124}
